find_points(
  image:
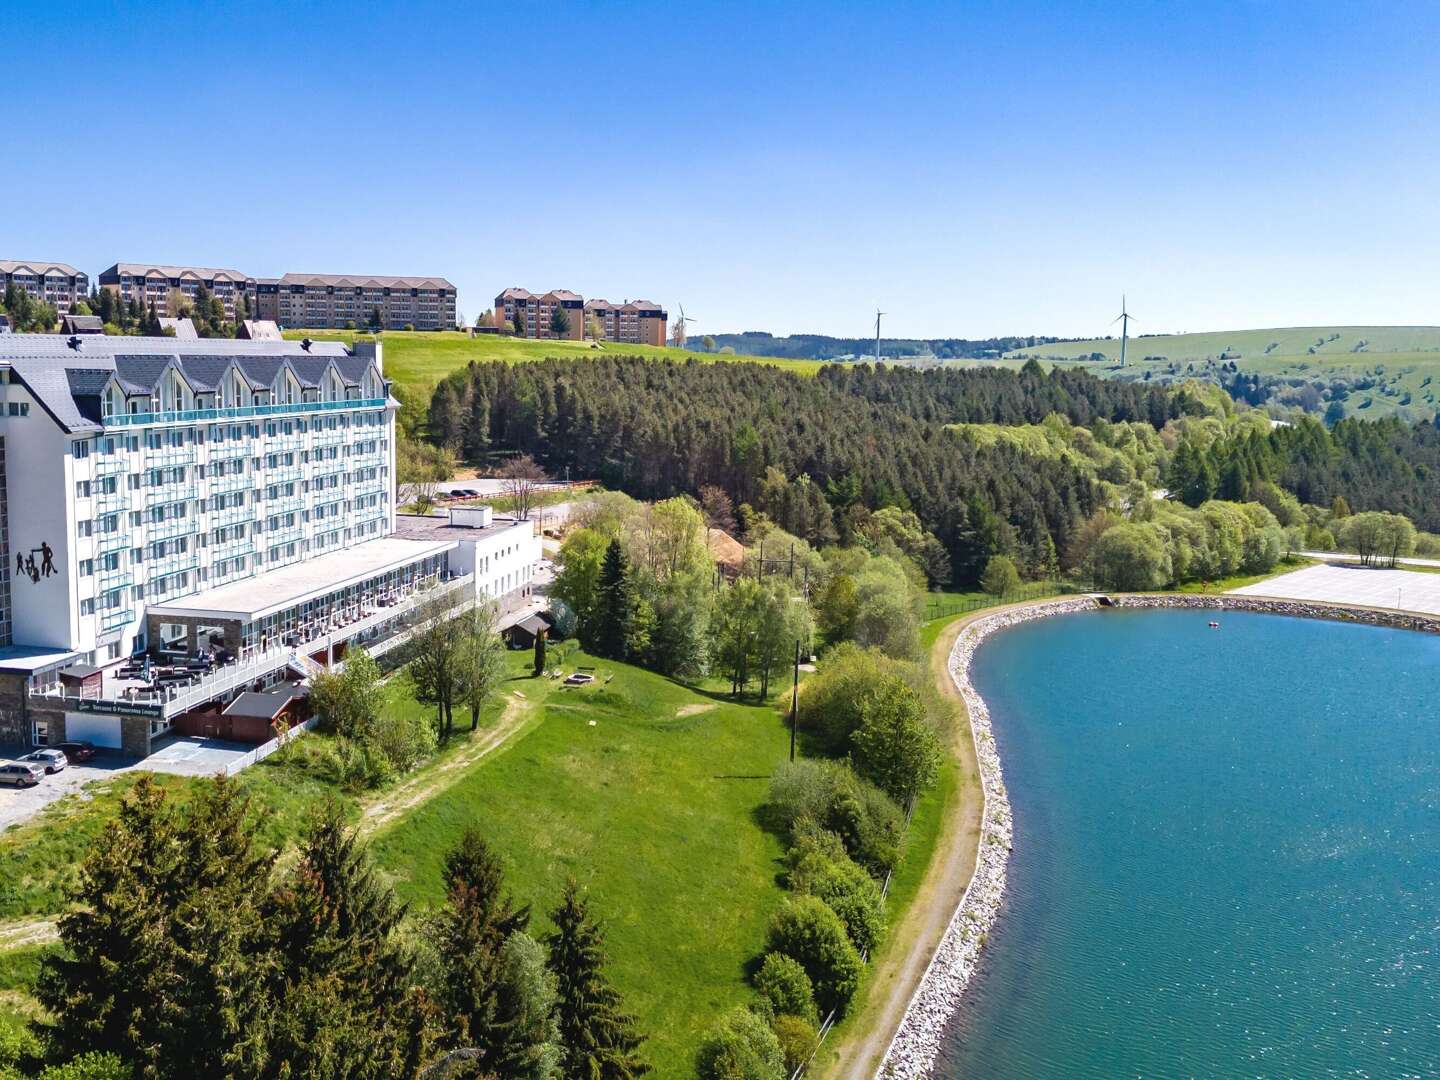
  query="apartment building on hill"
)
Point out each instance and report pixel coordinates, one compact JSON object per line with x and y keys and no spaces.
{"x":333,"y":301}
{"x":59,"y":284}
{"x":161,"y":285}
{"x":636,"y":322}
{"x":522,"y":312}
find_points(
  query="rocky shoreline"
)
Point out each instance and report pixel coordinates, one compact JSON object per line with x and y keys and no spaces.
{"x":916,"y":1044}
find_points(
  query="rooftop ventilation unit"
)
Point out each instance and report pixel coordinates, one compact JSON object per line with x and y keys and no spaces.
{"x":472,"y":517}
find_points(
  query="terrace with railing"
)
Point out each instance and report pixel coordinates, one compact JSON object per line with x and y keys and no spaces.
{"x":238,"y":412}
{"x":380,"y":629}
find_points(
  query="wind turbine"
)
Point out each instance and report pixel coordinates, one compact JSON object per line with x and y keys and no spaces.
{"x":878,"y":313}
{"x":679,"y":333}
{"x":1124,"y":319}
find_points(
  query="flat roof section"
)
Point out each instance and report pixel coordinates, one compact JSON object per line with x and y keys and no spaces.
{"x":256,"y":597}
{"x":28,"y":659}
{"x":423,"y":527}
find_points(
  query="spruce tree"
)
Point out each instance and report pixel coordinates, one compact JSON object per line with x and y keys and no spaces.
{"x":598,"y":1038}
{"x":470,"y":939}
{"x":341,"y":978}
{"x":616,"y":605}
{"x":163,"y":962}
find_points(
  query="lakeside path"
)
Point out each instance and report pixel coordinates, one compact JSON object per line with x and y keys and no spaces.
{"x":895,"y":976}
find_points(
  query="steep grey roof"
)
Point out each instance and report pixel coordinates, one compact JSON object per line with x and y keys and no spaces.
{"x":362,"y":280}
{"x":187,"y":273}
{"x":11,"y":266}
{"x":184,"y":328}
{"x":67,"y":382}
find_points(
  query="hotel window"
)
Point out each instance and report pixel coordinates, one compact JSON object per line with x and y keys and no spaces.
{"x":87,"y":567}
{"x":87,"y":606}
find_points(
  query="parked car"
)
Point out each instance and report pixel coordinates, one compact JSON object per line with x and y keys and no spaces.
{"x":21,"y":774}
{"x":52,"y":761}
{"x":76,"y":752}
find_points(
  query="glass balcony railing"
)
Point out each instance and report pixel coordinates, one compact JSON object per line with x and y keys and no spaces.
{"x":192,"y":416}
{"x":168,"y":493}
{"x":112,"y":618}
{"x":219,"y":485}
{"x":110,"y":465}
{"x":164,"y":530}
{"x":111,"y":541}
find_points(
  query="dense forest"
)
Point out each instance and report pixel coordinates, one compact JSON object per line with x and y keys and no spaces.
{"x":844,"y":443}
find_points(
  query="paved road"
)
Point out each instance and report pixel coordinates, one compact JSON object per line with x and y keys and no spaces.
{"x":1403,"y":590}
{"x":1347,"y":557}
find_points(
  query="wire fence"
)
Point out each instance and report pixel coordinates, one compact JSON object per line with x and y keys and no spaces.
{"x":943,"y":606}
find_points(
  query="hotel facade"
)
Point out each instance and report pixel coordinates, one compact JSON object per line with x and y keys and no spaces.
{"x":174,"y":497}
{"x":157,"y":285}
{"x":636,"y":322}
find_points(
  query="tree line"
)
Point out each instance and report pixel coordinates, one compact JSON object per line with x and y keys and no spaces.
{"x":844,"y":444}
{"x":193,"y":951}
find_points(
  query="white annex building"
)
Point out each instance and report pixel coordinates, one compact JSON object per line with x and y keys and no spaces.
{"x":225,"y":499}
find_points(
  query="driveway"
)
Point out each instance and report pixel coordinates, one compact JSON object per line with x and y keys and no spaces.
{"x":180,"y":755}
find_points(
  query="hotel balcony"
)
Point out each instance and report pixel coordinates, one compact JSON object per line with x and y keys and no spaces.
{"x":239,"y":412}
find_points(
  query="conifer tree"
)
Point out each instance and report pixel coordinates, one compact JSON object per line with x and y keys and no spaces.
{"x":343,"y":1002}
{"x":470,"y":937}
{"x":599,"y":1040}
{"x":159,"y":963}
{"x":616,"y":605}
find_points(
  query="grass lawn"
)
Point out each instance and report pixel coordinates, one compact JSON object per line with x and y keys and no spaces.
{"x":420,"y":359}
{"x":655,"y":809}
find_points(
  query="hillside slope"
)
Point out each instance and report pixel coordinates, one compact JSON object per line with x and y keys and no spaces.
{"x":1343,"y":343}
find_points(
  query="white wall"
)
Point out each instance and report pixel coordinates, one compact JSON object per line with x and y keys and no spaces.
{"x":40,"y":507}
{"x":501,"y":561}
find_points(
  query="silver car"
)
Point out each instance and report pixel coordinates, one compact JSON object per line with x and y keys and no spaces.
{"x":21,"y":774}
{"x":51,"y":760}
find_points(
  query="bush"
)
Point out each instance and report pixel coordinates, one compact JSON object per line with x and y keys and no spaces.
{"x":741,"y":1047}
{"x":405,"y":739}
{"x":894,"y":746}
{"x":827,"y":795}
{"x":848,"y":891}
{"x":807,"y":931}
{"x":830,"y":701}
{"x":1000,"y":577}
{"x":563,"y":621}
{"x":353,"y":766}
{"x":89,"y":1066}
{"x":798,"y":1039}
{"x":786,"y":988}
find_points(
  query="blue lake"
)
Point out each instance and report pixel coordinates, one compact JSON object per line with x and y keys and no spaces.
{"x":1227,"y":851}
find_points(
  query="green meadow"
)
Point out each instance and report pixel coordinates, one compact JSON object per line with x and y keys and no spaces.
{"x":418,"y":360}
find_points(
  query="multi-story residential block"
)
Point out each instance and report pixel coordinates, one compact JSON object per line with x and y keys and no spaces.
{"x":59,"y":284}
{"x":176,"y":497}
{"x":162,"y":285}
{"x":537,"y":313}
{"x":638,"y":322}
{"x":332,"y":301}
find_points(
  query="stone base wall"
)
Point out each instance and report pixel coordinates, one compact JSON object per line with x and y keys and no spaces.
{"x":916,"y":1044}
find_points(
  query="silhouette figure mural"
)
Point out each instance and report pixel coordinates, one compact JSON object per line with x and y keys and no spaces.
{"x":25,"y":566}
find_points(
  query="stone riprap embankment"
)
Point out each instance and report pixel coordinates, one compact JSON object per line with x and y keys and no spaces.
{"x":916,"y":1044}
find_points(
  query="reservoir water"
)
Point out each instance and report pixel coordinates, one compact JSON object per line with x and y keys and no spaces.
{"x":1227,"y":851}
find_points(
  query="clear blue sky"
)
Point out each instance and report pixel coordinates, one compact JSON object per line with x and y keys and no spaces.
{"x":974,"y":169}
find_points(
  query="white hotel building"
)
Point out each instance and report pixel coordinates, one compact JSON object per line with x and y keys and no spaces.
{"x":162,"y":494}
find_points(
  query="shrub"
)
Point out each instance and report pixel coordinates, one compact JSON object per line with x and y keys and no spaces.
{"x":798,"y":1039}
{"x":830,"y":700}
{"x":894,"y":746}
{"x":1000,"y":577}
{"x":404,"y":738}
{"x":849,"y":892}
{"x":89,"y":1066}
{"x":806,"y":796}
{"x":563,"y":621}
{"x":786,"y":988}
{"x":353,"y":766}
{"x":741,"y":1047}
{"x":807,"y":931}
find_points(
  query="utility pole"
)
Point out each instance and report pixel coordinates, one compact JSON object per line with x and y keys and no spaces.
{"x":795,"y":700}
{"x":878,"y":313}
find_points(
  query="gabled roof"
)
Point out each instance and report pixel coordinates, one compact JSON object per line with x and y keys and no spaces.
{"x":19,"y":266}
{"x":184,"y":328}
{"x":366,"y":281}
{"x":516,"y":293}
{"x":259,"y":330}
{"x":185,"y":273}
{"x":66,"y":381}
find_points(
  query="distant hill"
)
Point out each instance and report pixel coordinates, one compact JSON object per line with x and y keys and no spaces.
{"x":1367,"y":371}
{"x":823,"y":347}
{"x":1342,"y":342}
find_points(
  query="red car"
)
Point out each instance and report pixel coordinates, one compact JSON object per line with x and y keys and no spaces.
{"x":76,"y":752}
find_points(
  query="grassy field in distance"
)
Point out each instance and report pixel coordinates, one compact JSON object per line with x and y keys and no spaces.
{"x":419,"y":359}
{"x":1403,"y":361}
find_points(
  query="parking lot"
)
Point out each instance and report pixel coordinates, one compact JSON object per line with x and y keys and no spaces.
{"x":1405,"y":590}
{"x":180,"y":755}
